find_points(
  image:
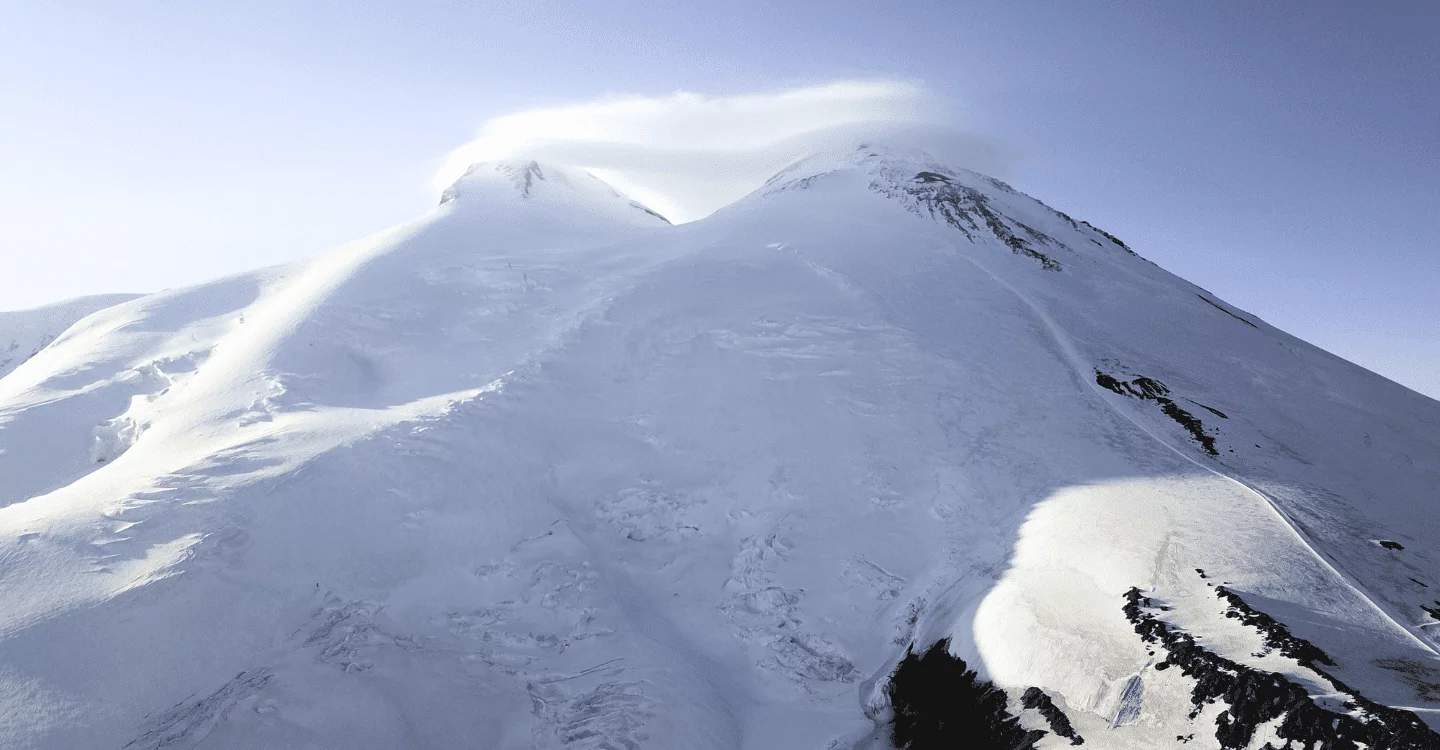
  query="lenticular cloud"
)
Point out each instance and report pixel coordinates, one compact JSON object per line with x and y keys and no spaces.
{"x":688,"y":154}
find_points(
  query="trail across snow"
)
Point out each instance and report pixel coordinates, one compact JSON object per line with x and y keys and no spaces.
{"x":1084,"y":371}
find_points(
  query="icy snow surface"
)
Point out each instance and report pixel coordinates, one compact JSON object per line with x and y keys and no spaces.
{"x":541,"y":470}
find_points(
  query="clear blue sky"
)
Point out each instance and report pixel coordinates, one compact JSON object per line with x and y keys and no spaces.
{"x":1284,"y":155}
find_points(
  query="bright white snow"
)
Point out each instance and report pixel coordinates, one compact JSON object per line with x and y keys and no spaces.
{"x":541,"y":470}
{"x":23,"y":333}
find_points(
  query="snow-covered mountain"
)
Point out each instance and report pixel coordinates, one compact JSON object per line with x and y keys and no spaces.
{"x":541,"y":470}
{"x":23,"y":333}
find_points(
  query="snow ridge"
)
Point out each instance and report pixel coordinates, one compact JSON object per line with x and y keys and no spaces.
{"x":578,"y":191}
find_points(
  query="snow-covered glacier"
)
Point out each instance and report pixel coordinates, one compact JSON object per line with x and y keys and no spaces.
{"x":541,"y":470}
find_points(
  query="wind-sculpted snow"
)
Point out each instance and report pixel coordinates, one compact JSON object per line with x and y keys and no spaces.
{"x":24,"y":333}
{"x":540,"y":470}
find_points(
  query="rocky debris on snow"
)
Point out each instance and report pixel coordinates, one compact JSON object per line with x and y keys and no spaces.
{"x":1253,"y":697}
{"x":1277,"y":636}
{"x":1210,"y":409}
{"x":944,"y":198}
{"x":1148,"y":389}
{"x":1109,"y":236}
{"x":1039,"y":700}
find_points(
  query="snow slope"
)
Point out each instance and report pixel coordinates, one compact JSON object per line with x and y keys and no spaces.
{"x":541,"y":470}
{"x":23,"y":333}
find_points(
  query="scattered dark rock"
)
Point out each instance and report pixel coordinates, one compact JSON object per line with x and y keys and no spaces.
{"x":1059,"y":723}
{"x":1422,"y":583}
{"x":1434,"y":611}
{"x":1201,"y":571}
{"x":1210,"y":409}
{"x":1149,"y":389}
{"x":1110,"y":237}
{"x":1277,"y":636}
{"x":968,"y":210}
{"x":1190,"y":423}
{"x":1253,"y":697}
{"x":1036,"y":234}
{"x":940,"y":704}
{"x":1387,"y":544}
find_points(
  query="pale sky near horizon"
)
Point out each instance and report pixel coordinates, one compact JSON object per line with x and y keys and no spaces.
{"x":1284,"y":156}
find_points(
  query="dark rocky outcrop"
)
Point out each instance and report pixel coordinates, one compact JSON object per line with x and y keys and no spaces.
{"x":968,"y":210}
{"x":1210,"y":409}
{"x":1110,"y":237}
{"x":1277,"y":636}
{"x":940,"y":704}
{"x":1253,"y":697}
{"x":1059,"y":723}
{"x":1148,"y":389}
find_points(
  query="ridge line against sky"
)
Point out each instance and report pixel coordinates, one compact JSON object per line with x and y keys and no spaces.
{"x":686,"y":154}
{"x":1284,"y":158}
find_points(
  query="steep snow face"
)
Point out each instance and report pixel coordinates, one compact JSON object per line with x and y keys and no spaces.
{"x":539,"y":470}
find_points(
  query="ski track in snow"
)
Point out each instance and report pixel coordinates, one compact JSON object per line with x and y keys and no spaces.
{"x":1083,"y":369}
